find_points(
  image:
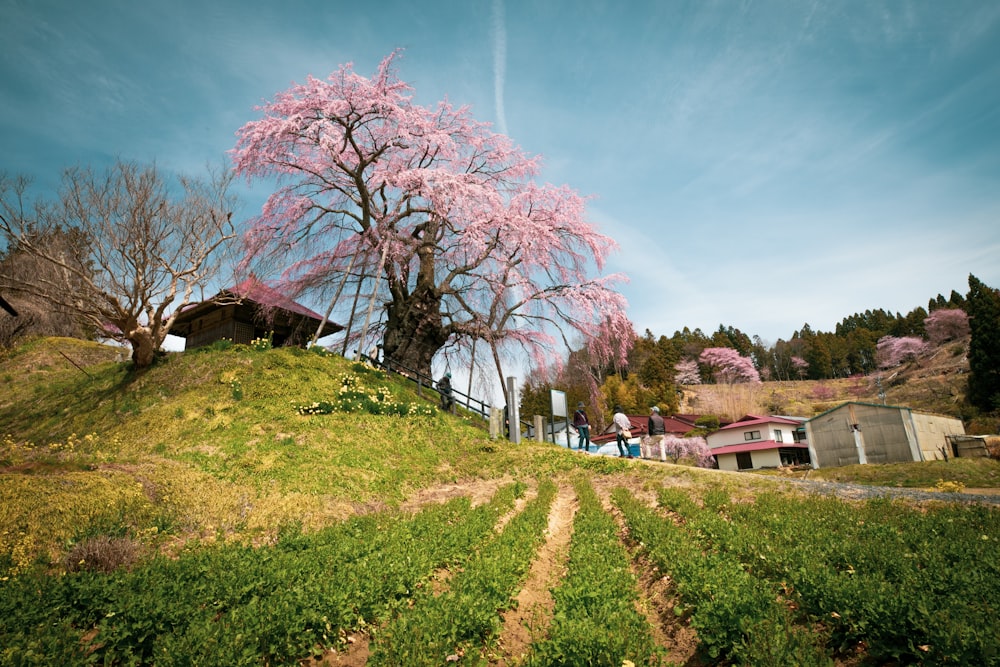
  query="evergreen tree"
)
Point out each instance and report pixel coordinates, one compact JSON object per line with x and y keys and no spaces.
{"x":983,"y":307}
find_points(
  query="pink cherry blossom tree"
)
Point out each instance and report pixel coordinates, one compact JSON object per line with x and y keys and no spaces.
{"x":946,"y":324}
{"x":892,"y":350}
{"x":728,"y":367}
{"x":454,"y":238}
{"x":800,"y":365}
{"x":687,"y":372}
{"x":694,"y":448}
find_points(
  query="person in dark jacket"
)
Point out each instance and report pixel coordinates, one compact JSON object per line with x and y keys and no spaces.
{"x":655,"y":428}
{"x":582,"y":426}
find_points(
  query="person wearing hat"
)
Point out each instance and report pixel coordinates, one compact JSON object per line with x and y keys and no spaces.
{"x":623,"y":431}
{"x":656,"y":428}
{"x":444,"y":389}
{"x":582,"y":426}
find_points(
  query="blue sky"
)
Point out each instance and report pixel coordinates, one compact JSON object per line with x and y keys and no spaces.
{"x":761,"y":164}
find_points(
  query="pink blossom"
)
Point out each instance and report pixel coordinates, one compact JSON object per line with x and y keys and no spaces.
{"x":946,"y":324}
{"x":728,"y":367}
{"x":474,"y":248}
{"x":687,"y":372}
{"x":694,"y":448}
{"x":892,"y":351}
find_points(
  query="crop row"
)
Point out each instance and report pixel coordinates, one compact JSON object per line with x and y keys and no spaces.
{"x":910,"y":585}
{"x":738,"y":617}
{"x":457,"y":625}
{"x":595,"y":620}
{"x":240,"y":605}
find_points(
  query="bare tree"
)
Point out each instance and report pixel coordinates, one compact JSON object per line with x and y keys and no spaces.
{"x":141,"y":247}
{"x":35,"y":316}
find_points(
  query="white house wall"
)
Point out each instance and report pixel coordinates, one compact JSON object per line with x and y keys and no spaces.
{"x":765,"y":458}
{"x":734,"y":436}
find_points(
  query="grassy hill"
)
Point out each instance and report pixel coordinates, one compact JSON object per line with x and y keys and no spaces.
{"x":245,"y":505}
{"x":212,"y":442}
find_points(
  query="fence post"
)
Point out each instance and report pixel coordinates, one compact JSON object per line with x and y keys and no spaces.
{"x":496,"y":423}
{"x":513,"y":411}
{"x":539,"y":428}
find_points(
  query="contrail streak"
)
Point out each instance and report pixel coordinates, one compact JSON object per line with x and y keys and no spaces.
{"x":499,"y":63}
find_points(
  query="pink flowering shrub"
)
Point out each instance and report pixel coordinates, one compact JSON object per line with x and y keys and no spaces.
{"x":891,"y":351}
{"x":822,"y":392}
{"x":695,"y":449}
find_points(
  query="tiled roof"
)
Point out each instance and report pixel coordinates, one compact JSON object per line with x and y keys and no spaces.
{"x":753,"y":420}
{"x":255,"y":290}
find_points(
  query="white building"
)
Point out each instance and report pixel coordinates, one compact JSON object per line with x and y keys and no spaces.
{"x":759,"y":442}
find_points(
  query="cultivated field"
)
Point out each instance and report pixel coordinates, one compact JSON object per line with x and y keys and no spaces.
{"x":278,"y":507}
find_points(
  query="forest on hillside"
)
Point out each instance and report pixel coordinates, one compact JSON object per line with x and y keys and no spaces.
{"x":658,"y":366}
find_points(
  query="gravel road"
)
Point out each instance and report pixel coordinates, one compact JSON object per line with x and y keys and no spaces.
{"x":862,"y":492}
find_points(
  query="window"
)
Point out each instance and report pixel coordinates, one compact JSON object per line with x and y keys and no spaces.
{"x":777,"y":435}
{"x":743,"y":461}
{"x":751,"y":435}
{"x":794,"y":457}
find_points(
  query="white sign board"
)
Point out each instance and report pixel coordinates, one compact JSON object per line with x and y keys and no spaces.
{"x":558,"y":403}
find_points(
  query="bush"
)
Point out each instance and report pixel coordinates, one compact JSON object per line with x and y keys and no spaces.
{"x":102,"y":553}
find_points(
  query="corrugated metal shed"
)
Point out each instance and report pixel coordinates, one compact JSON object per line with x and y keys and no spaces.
{"x":869,"y":433}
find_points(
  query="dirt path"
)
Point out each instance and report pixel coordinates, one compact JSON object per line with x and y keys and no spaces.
{"x":533,"y":612}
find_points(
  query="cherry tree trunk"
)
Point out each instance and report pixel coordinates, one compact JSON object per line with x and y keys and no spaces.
{"x":414,"y":330}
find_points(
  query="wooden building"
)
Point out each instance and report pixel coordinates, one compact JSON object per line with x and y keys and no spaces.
{"x":249,"y":311}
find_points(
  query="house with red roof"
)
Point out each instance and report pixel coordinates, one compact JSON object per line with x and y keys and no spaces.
{"x":248,"y":311}
{"x":754,"y":441}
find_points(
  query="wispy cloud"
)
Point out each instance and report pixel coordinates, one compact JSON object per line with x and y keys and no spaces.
{"x":499,"y":63}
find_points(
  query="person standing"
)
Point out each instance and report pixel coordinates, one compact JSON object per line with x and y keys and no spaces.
{"x":623,"y":431}
{"x":444,"y":388}
{"x":582,"y":426}
{"x":656,"y":428}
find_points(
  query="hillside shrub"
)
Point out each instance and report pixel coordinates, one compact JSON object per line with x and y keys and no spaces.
{"x":103,"y":553}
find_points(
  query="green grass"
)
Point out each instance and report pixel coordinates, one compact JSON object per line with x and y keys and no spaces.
{"x":206,"y":455}
{"x":235,"y":461}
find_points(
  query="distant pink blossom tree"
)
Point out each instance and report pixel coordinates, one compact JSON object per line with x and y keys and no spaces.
{"x":687,"y":372}
{"x":693,"y":448}
{"x":892,"y":351}
{"x":728,"y":367}
{"x":800,"y":365}
{"x":439,"y":217}
{"x":946,"y":324}
{"x":822,"y":392}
